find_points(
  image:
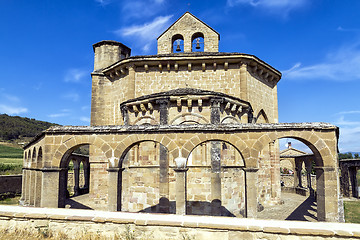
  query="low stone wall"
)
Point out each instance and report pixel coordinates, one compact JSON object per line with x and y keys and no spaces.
{"x":10,"y":183}
{"x":87,"y":224}
{"x":288,"y":180}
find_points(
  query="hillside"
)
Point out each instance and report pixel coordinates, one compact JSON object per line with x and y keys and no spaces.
{"x":14,"y":127}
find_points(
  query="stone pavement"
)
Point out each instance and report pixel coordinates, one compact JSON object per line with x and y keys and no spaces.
{"x":295,"y":207}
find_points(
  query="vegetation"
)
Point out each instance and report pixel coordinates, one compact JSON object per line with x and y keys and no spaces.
{"x":352,"y":211}
{"x":11,"y":160}
{"x":348,"y":155}
{"x":18,"y":127}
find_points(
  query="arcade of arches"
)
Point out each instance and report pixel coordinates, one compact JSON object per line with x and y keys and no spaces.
{"x":218,"y":183}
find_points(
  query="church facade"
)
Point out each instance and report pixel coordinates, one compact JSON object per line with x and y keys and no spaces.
{"x":190,"y":130}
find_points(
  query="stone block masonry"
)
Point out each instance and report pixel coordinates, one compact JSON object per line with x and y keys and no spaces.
{"x":87,"y":224}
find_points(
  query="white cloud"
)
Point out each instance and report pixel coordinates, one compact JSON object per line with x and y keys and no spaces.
{"x":145,"y":34}
{"x":12,"y":110}
{"x":276,"y":6}
{"x":148,"y":30}
{"x":72,"y":96}
{"x":349,"y":132}
{"x":57,"y":115}
{"x":103,"y":2}
{"x":75,"y":75}
{"x":340,"y":65}
{"x":85,"y":119}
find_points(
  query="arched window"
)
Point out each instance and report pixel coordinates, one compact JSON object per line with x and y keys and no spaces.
{"x":177,"y":43}
{"x":197,"y":42}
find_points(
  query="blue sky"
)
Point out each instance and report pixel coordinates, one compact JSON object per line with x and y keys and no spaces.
{"x":46,"y":52}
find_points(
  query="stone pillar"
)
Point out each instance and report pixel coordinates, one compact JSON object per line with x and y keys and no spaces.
{"x":215,"y":153}
{"x":243,"y":82}
{"x":272,"y":170}
{"x":29,"y":186}
{"x":215,"y":110}
{"x":50,"y":187}
{"x":308,"y":174}
{"x":354,"y":188}
{"x":164,"y":111}
{"x":251,"y":179}
{"x":327,"y":195}
{"x":297,"y":173}
{"x":345,"y":180}
{"x":76,"y":177}
{"x":23,"y":187}
{"x":131,"y":83}
{"x":33,"y":187}
{"x":86,"y":166}
{"x":38,"y":188}
{"x":180,"y":190}
{"x":164,"y":203}
{"x":114,"y":188}
{"x":125,"y":114}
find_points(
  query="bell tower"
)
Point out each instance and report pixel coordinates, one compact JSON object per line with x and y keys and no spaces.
{"x":188,"y":34}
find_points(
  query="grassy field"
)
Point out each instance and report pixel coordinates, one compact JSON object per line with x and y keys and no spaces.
{"x":352,"y":211}
{"x":11,"y":160}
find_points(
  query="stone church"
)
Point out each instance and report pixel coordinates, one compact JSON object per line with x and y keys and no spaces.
{"x":190,"y":130}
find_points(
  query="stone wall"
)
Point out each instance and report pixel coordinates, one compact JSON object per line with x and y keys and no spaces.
{"x":10,"y":183}
{"x":87,"y":224}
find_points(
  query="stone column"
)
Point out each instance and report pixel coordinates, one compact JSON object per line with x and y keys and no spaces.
{"x":354,"y":189}
{"x":251,"y":179}
{"x":164,"y":111}
{"x":23,"y":187}
{"x":243,"y":82}
{"x":345,"y":180}
{"x":33,"y":187}
{"x":272,"y":170}
{"x":215,"y":110}
{"x":297,"y":173}
{"x":76,"y":177}
{"x":50,"y":187}
{"x":308,"y":174}
{"x":164,"y":203}
{"x":131,"y":83}
{"x":86,"y":166}
{"x":215,"y":178}
{"x":327,"y":195}
{"x":114,"y":188}
{"x":38,"y":188}
{"x":125,"y":114}
{"x":29,"y":186}
{"x":180,"y":190}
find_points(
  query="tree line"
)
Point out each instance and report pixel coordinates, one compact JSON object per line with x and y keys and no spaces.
{"x":15,"y":127}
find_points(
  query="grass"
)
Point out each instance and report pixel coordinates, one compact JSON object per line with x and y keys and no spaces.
{"x":11,"y":160}
{"x":352,"y":211}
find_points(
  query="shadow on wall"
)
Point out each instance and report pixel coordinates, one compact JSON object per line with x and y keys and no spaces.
{"x":305,"y":209}
{"x":193,"y":208}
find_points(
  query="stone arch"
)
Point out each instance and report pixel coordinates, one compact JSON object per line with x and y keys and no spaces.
{"x":261,"y":117}
{"x":326,"y":169}
{"x":233,"y":140}
{"x":76,"y":141}
{"x":310,"y":139}
{"x":177,"y":42}
{"x":229,"y":119}
{"x":197,"y":43}
{"x":33,"y":158}
{"x":127,"y":143}
{"x":146,"y":120}
{"x":39,"y":158}
{"x":188,"y":117}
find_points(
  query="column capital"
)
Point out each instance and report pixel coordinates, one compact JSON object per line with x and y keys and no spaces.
{"x":163,"y":102}
{"x":115,"y":169}
{"x":181,"y":169}
{"x":215,"y":102}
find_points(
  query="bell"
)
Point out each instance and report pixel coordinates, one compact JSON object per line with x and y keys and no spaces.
{"x":178,"y":49}
{"x":197,"y":43}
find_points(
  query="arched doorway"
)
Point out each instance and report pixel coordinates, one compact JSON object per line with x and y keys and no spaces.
{"x":143,"y":179}
{"x":74,"y":177}
{"x":215,"y":180}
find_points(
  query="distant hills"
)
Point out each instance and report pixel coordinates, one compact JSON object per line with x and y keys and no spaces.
{"x":14,"y":127}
